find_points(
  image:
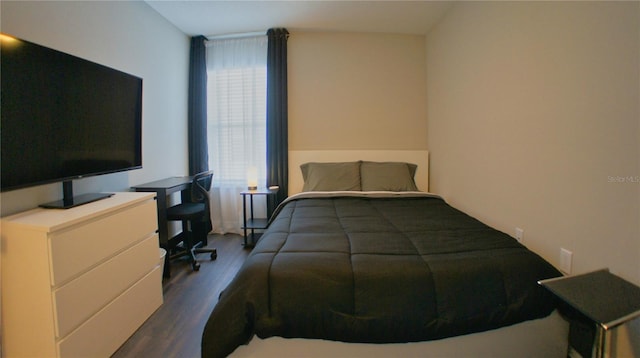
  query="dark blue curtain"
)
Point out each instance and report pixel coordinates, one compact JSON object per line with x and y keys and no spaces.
{"x":197,"y":118}
{"x":277,"y":116}
{"x":198,"y":151}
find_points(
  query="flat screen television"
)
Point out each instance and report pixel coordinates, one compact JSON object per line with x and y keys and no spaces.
{"x":64,"y":118}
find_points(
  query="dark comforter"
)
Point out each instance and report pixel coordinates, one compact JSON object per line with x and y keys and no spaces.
{"x":378,"y":270}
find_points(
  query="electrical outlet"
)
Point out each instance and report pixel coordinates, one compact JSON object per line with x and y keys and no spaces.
{"x":565,"y":260}
{"x":519,"y":234}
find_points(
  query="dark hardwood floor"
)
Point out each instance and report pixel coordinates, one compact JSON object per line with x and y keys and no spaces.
{"x":175,"y":329}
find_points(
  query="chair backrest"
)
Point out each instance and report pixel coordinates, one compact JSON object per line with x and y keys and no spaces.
{"x":200,"y":187}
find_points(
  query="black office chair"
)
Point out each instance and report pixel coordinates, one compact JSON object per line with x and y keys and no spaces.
{"x":195,"y":220}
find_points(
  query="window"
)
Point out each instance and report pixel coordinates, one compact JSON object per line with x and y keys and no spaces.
{"x":236,"y":121}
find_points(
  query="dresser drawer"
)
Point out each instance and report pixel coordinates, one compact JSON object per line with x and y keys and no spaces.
{"x":82,"y":246}
{"x":103,"y":333}
{"x":79,"y":299}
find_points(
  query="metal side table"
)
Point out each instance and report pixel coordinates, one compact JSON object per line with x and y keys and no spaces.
{"x":604,"y":298}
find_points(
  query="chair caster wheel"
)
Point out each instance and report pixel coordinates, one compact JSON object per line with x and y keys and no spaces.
{"x":214,"y":256}
{"x":196,"y":266}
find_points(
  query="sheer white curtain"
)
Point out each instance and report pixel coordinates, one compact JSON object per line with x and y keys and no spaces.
{"x":236,"y":124}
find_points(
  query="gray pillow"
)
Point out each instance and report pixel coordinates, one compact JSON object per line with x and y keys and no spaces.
{"x":331,"y":176}
{"x":388,"y":176}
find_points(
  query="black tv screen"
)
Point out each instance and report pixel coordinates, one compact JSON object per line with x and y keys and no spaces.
{"x":63,"y":117}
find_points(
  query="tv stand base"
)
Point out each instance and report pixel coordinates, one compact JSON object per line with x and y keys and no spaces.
{"x":76,"y":201}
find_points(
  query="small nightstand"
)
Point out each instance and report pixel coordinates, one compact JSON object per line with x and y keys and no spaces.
{"x":604,"y":298}
{"x":252,"y":223}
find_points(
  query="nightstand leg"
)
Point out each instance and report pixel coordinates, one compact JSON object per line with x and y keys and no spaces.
{"x":244,"y":218}
{"x":600,"y":342}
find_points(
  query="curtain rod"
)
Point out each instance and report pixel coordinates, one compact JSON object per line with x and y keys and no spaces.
{"x":236,"y":36}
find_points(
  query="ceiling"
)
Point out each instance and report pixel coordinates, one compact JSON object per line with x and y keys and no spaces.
{"x":198,"y":17}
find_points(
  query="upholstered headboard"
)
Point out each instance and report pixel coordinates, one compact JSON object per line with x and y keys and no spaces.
{"x":298,"y":157}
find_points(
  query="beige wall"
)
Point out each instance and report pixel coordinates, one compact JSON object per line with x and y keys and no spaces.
{"x":356,"y":91}
{"x":534,"y":122}
{"x":128,"y":36}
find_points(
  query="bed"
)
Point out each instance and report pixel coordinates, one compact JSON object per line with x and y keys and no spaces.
{"x":361,"y":259}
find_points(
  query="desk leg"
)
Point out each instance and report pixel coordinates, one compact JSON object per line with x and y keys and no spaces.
{"x":599,"y":347}
{"x":163,"y":230}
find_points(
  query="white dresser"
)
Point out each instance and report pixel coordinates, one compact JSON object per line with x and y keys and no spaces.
{"x":79,"y":282}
